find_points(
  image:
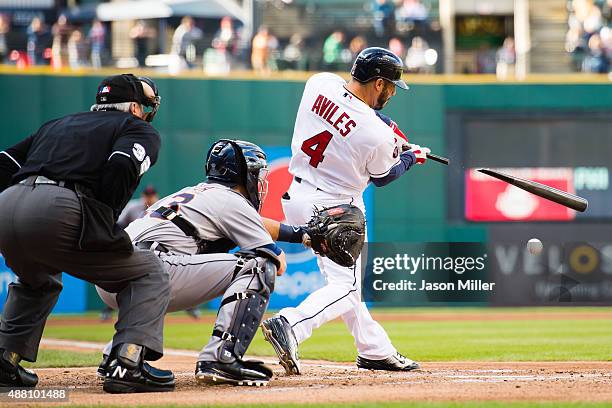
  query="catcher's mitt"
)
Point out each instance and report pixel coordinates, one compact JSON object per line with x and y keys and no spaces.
{"x":338,"y":233}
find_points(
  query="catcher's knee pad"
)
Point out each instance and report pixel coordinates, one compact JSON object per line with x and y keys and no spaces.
{"x":258,"y":275}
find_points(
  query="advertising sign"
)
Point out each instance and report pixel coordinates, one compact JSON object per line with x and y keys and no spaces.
{"x":489,"y":199}
{"x":574,"y":267}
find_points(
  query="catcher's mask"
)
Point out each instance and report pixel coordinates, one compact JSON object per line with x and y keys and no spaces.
{"x":236,"y":162}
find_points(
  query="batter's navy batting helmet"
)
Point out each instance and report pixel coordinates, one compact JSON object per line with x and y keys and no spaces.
{"x":236,"y":162}
{"x":376,"y":62}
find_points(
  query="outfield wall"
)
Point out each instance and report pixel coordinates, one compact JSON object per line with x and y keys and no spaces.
{"x":196,"y":111}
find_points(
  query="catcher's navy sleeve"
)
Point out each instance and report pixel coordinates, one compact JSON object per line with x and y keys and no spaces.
{"x":407,"y":159}
{"x":290,"y":233}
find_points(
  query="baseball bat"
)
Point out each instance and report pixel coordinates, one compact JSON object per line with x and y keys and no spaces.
{"x":437,"y":158}
{"x":431,"y":156}
{"x":542,"y":190}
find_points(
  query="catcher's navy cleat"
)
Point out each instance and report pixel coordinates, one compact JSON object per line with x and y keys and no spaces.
{"x":249,"y":372}
{"x":279,"y":333}
{"x":396,"y":362}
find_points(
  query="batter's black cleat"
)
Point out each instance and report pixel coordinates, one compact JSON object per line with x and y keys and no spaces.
{"x":250,"y":372}
{"x":279,"y":333}
{"x":128,"y":373}
{"x":396,"y":362}
{"x":14,"y":375}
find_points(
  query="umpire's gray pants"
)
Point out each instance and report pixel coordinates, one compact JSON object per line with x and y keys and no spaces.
{"x":195,"y":279}
{"x":39,"y":231}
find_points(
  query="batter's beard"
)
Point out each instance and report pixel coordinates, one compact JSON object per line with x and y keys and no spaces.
{"x":383,"y":98}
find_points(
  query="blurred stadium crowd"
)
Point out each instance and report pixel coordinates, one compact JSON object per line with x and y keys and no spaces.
{"x":410,"y":28}
{"x":589,"y":37}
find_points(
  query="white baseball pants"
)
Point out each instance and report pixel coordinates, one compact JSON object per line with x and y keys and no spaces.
{"x":341,"y":296}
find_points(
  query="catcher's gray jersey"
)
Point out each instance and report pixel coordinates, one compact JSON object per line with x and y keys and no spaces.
{"x":132,"y":211}
{"x":215,"y":210}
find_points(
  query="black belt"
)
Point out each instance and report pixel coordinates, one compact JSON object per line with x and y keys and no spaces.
{"x":299,"y":180}
{"x":38,"y":180}
{"x":152,"y":245}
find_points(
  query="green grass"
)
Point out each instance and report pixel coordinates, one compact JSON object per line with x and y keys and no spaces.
{"x":62,"y":358}
{"x":486,"y":340}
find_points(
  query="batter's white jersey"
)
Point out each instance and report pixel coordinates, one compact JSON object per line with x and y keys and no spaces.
{"x":338,"y":141}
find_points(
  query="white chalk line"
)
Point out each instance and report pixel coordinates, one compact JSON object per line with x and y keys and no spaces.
{"x":89,"y":345}
{"x":465,"y":376}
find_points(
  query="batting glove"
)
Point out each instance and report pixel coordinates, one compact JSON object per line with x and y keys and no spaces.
{"x":420,"y":153}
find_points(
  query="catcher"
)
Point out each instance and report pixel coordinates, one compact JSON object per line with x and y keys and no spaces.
{"x":191,"y":232}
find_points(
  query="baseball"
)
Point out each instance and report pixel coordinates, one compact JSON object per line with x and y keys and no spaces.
{"x":534,"y":246}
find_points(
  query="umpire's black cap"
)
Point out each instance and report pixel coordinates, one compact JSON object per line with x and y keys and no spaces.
{"x":376,"y":62}
{"x":121,"y":88}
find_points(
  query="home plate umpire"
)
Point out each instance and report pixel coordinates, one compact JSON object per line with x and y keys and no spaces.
{"x":62,"y":191}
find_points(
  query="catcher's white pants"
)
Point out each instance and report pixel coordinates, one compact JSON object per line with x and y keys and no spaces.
{"x":341,"y":296}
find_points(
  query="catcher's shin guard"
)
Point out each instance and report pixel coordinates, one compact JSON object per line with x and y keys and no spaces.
{"x":247,"y":300}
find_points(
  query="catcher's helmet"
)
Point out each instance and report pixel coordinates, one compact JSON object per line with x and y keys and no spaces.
{"x":376,"y":62}
{"x":236,"y":162}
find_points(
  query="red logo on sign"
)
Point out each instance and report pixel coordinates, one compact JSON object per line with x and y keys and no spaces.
{"x":489,"y":199}
{"x":279,"y":180}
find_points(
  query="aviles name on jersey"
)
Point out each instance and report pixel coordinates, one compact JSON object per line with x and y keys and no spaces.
{"x":338,"y":141}
{"x":328,"y":110}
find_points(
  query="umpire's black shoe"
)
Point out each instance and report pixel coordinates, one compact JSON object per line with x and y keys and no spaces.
{"x":127,"y":373}
{"x":396,"y":362}
{"x":279,"y":333}
{"x":14,"y":375}
{"x":250,"y":372}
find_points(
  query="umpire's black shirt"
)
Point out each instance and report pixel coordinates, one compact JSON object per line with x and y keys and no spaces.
{"x":105,"y":151}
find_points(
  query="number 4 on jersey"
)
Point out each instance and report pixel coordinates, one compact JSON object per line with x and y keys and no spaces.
{"x":315,"y":146}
